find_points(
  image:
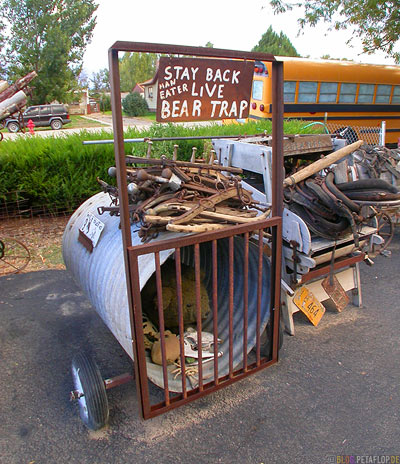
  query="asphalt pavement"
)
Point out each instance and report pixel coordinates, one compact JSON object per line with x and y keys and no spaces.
{"x":334,"y":393}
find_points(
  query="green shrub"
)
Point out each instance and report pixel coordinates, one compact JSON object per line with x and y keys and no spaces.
{"x":60,"y":173}
{"x":55,"y":173}
{"x":105,"y":103}
{"x":134,"y":105}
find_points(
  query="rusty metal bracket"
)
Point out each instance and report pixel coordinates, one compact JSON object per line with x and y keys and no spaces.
{"x":275,"y":222}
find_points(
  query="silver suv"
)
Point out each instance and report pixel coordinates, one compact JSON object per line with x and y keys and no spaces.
{"x":54,"y":116}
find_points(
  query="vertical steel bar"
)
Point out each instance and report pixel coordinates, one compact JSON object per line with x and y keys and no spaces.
{"x":180,"y":317}
{"x":277,"y":138}
{"x":277,"y":199}
{"x":215,"y":307}
{"x":119,"y":149}
{"x":276,"y":295}
{"x":245,"y":297}
{"x":136,"y":321}
{"x":133,"y":292}
{"x":231,"y":290}
{"x":259,"y":294}
{"x":198,"y":312}
{"x":161,"y":325}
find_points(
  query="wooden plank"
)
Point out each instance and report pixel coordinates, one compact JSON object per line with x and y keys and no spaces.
{"x":321,"y":164}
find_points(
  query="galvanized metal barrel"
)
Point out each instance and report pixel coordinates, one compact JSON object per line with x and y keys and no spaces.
{"x":101,"y":275}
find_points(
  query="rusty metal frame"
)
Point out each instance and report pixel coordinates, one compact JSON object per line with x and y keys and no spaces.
{"x":245,"y":231}
{"x":131,"y":253}
{"x":340,"y":263}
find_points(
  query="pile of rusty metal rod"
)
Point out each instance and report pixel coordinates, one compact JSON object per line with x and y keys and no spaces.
{"x":179,"y":196}
{"x":12,"y":97}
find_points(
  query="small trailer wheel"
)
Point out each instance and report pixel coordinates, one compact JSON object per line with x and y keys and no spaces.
{"x":90,"y":392}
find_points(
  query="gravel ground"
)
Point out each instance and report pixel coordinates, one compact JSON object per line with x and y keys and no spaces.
{"x":41,"y":235}
{"x":334,"y":393}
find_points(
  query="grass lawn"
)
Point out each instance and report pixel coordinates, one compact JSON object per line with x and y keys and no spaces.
{"x":79,"y":122}
{"x":149,"y":116}
{"x":76,"y":122}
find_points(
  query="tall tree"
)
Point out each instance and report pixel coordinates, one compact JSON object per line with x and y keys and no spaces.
{"x":375,"y":22}
{"x":100,"y":81}
{"x":49,"y":37}
{"x":271,"y":42}
{"x":2,"y":38}
{"x":136,"y":67}
{"x":329,"y":57}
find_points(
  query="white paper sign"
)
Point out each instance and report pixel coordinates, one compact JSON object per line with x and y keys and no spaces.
{"x":92,"y":228}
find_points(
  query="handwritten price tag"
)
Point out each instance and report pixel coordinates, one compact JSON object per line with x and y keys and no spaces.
{"x":92,"y":228}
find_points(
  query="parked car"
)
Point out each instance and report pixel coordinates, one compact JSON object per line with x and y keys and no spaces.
{"x":54,"y":116}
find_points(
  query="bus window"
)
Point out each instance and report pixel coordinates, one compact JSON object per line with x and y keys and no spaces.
{"x":383,"y":93}
{"x":328,"y":92}
{"x":289,"y":91}
{"x":347,"y":93}
{"x":396,"y":94}
{"x":366,"y":93}
{"x":257,"y":91}
{"x":307,"y":92}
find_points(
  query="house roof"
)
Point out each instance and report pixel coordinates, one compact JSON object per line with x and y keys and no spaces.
{"x":151,"y":81}
{"x":138,"y":88}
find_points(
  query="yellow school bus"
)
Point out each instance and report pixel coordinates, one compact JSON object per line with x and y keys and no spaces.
{"x":341,"y":92}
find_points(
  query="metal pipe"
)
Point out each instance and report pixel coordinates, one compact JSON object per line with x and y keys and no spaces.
{"x":166,"y":139}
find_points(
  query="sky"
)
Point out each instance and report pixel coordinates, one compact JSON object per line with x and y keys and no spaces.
{"x":229,"y":24}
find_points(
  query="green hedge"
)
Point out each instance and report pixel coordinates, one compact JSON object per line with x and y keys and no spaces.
{"x":59,"y":173}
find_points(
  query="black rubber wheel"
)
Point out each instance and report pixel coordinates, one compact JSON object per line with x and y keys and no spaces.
{"x":56,"y":124}
{"x":13,"y":127}
{"x":88,"y":383}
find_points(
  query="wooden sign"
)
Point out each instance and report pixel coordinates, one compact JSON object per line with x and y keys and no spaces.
{"x":196,"y":89}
